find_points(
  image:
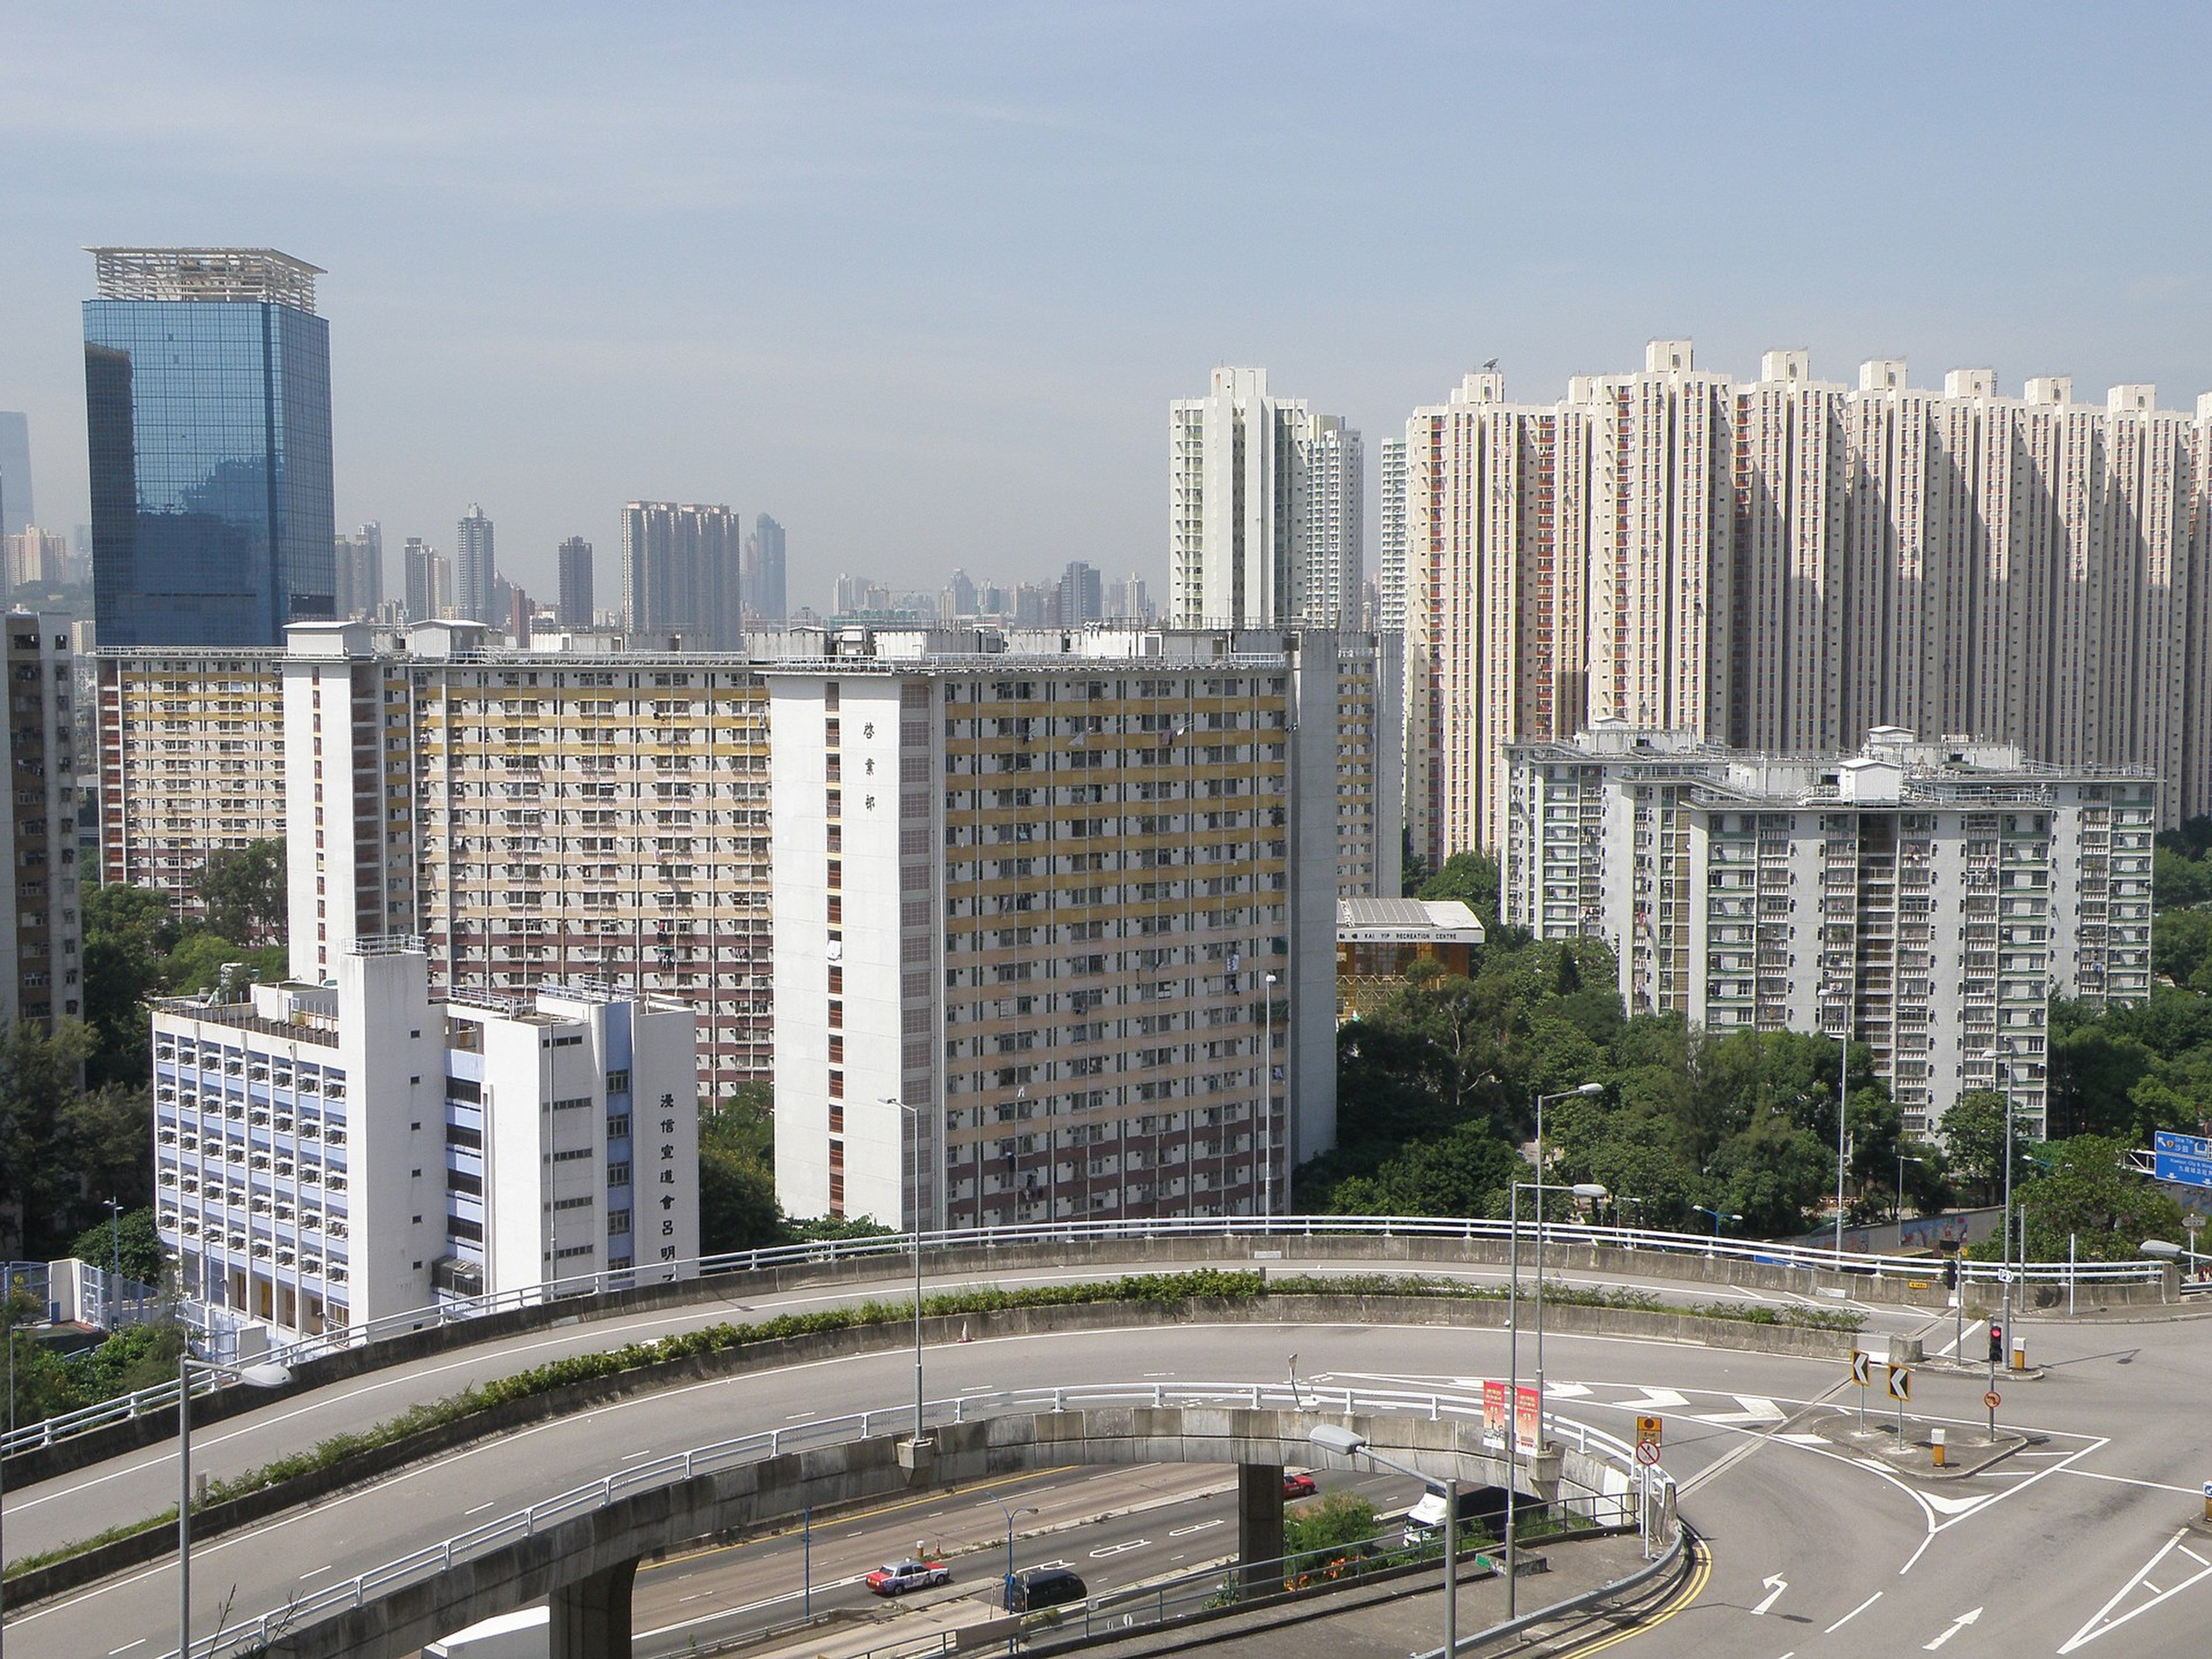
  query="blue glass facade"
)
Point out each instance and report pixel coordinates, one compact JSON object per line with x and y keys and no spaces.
{"x":208,"y":424}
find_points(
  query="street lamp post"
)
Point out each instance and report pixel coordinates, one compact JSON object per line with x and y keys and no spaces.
{"x":893,"y":1100}
{"x":1027,"y":1509}
{"x":1268,"y":1100}
{"x":1718,"y":1216}
{"x":1589,"y":1189}
{"x":1345,"y":1444}
{"x":1901,"y":1161}
{"x":266,"y":1375}
{"x":1586,"y":1090}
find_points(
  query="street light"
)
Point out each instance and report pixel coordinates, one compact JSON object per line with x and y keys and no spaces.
{"x":1718,"y":1216}
{"x":1586,"y":1090}
{"x":1267,"y":1101}
{"x":1589,"y":1189}
{"x":1901,"y":1161}
{"x":2169,"y":1252}
{"x":893,"y":1100}
{"x":1027,"y":1509}
{"x":268,"y":1375}
{"x":1345,"y":1444}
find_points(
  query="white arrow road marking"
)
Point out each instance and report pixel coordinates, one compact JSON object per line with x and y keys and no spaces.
{"x":1185,"y":1532}
{"x":1103,"y":1551}
{"x":1656,"y":1399}
{"x":1957,"y":1625}
{"x":2099,"y":1622}
{"x":1943,"y":1505}
{"x":1568,"y":1390}
{"x":1775,"y":1585}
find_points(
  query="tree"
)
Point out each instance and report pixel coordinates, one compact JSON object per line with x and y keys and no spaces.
{"x":737,"y":1175}
{"x":2083,"y":1192}
{"x":243,"y":888}
{"x":1466,"y":1173}
{"x":1470,"y":878}
{"x":1974,"y":1129}
{"x":1337,"y":1521}
{"x":143,"y":1258}
{"x":128,"y":931}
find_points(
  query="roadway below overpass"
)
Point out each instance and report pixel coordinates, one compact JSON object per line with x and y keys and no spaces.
{"x":2080,"y":1542}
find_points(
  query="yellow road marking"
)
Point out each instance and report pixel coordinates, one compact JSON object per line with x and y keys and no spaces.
{"x":1701,"y":1569}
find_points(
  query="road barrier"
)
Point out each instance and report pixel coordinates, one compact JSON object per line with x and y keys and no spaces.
{"x":1613,"y":1506}
{"x":890,"y":1247}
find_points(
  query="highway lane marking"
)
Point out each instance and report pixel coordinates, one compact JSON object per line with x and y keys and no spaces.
{"x":1185,"y":1532}
{"x":644,"y":1452}
{"x":1105,"y":1550}
{"x":2130,"y":1480}
{"x":2098,"y":1624}
{"x":126,"y":1647}
{"x":1701,"y":1572}
{"x":316,"y":1572}
{"x":750,"y":1606}
{"x":1852,"y":1614}
{"x":479,"y":1509}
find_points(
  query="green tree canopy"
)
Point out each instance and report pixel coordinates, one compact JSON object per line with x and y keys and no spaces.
{"x":243,"y":888}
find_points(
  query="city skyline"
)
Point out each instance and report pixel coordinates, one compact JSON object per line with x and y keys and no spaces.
{"x":946,"y":306}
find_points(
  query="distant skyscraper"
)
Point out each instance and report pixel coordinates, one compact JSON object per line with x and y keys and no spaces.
{"x":1390,"y":577}
{"x":1128,"y":601}
{"x":208,"y":419}
{"x":518,"y":619}
{"x":478,"y":572}
{"x":422,"y":580}
{"x":959,"y":597}
{"x":441,"y":586}
{"x":1264,"y":508}
{"x":1080,"y":600}
{"x":764,"y":571}
{"x":575,"y":583}
{"x":14,"y":473}
{"x":360,"y":571}
{"x":681,"y":574}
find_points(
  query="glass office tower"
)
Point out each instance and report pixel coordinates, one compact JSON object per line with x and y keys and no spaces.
{"x":207,"y":378}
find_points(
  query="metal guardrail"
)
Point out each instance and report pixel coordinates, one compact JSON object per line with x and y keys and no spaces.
{"x":247,"y":1635}
{"x":890,"y":1246}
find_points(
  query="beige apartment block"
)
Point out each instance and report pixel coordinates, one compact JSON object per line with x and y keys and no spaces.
{"x":191,"y":762}
{"x":1787,"y":564}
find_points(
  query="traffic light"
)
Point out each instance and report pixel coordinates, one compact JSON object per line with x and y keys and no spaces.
{"x":1951,"y":1272}
{"x":1997,"y":1345}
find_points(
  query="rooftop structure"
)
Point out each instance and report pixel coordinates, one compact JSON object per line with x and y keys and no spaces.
{"x":205,"y":273}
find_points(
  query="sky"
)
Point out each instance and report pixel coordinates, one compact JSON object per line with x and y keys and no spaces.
{"x":921,"y":280}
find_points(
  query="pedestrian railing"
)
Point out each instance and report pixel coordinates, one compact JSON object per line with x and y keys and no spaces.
{"x":250,"y":1634}
{"x":889,"y":1247}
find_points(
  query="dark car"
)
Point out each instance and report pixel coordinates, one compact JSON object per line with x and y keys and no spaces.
{"x":1042,"y":1587}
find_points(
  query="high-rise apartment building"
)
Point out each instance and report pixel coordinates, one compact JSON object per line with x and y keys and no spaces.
{"x":360,"y":572}
{"x":576,"y":605}
{"x":477,"y":570}
{"x":1059,"y":903}
{"x":1391,"y":561}
{"x":37,"y":556}
{"x":1082,"y":598}
{"x":208,"y":414}
{"x":1264,"y":509}
{"x":15,"y":510}
{"x":420,"y":579}
{"x":1929,"y":897}
{"x":328,"y":1154}
{"x":681,"y":574}
{"x":1128,"y":601}
{"x":763,"y":573}
{"x":1787,"y":564}
{"x":191,"y":762}
{"x":40,"y":929}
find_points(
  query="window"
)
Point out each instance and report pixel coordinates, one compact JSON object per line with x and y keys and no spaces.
{"x":619,"y":1126}
{"x":618,"y":1082}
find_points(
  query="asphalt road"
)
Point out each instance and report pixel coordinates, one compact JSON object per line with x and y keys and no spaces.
{"x":1115,"y":1527}
{"x":142,"y":1483}
{"x":2078,"y":1544}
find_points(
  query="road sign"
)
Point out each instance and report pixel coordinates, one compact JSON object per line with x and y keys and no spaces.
{"x":1862,"y":1367}
{"x":1647,"y":1453}
{"x":1647,"y":1431}
{"x":1993,"y":1400}
{"x":1900,"y":1382}
{"x":2184,"y":1159}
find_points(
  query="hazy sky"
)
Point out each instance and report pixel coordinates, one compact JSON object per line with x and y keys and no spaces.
{"x":921,"y":279}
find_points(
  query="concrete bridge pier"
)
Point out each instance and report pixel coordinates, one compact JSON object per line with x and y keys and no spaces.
{"x":590,"y":1619}
{"x":1259,"y":1528}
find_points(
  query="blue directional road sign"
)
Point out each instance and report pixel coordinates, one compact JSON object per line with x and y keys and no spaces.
{"x":2184,"y":1159}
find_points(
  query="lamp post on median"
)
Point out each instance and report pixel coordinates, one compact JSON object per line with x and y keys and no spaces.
{"x":1345,"y":1444}
{"x":1027,"y":1509}
{"x":893,"y":1100}
{"x":267,"y":1375}
{"x":1589,"y":1189}
{"x":1585,"y":1090}
{"x":1718,"y":1216}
